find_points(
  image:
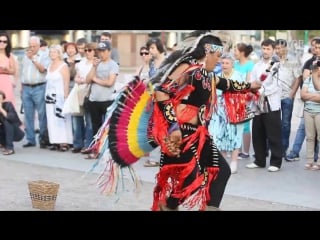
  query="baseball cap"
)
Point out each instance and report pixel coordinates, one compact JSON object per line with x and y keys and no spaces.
{"x":104,"y":45}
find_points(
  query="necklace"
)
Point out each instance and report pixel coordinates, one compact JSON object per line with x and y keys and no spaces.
{"x":227,"y":76}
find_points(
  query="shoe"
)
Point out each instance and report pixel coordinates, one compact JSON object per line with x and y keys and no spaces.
{"x":28,"y":145}
{"x":163,"y":207}
{"x":76,"y":150}
{"x":86,"y":150}
{"x":315,"y":167}
{"x":243,"y":155}
{"x":233,"y":167}
{"x":252,"y":166}
{"x":308,"y":166}
{"x":92,"y":156}
{"x":273,"y":169}
{"x":63,"y":148}
{"x":292,"y":157}
{"x":8,"y":152}
{"x":54,"y":147}
{"x":150,"y":163}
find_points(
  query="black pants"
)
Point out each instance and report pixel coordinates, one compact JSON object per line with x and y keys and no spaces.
{"x":9,"y":133}
{"x":217,"y":186}
{"x":266,"y":131}
{"x":97,"y":112}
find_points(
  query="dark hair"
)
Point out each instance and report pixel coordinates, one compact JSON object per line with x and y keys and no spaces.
{"x":8,"y":46}
{"x":43,"y":43}
{"x":268,"y":42}
{"x":63,"y":42}
{"x":199,"y":51}
{"x":281,"y":42}
{"x":81,"y":41}
{"x":106,"y":34}
{"x":317,"y":41}
{"x":144,"y":48}
{"x":157,"y":42}
{"x":3,"y":94}
{"x":247,"y":49}
{"x":188,"y":52}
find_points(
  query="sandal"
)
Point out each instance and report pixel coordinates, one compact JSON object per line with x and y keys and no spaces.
{"x":63,"y":148}
{"x":86,"y":151}
{"x":8,"y":152}
{"x":92,"y":156}
{"x":315,"y":167}
{"x":308,"y":166}
{"x":150,"y":163}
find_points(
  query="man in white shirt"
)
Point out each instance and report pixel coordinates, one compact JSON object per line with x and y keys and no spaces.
{"x":266,"y":125}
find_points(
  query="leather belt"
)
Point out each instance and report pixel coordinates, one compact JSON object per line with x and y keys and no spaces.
{"x":33,"y":85}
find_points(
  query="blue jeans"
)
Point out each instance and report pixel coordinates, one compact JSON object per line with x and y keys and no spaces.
{"x":286,"y":115}
{"x":82,"y":130}
{"x":299,"y":139}
{"x":33,"y":99}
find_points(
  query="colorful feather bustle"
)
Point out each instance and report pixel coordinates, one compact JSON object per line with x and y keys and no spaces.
{"x":124,"y":136}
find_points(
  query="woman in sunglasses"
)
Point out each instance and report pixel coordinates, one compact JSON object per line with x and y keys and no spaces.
{"x":7,"y":67}
{"x":143,"y":70}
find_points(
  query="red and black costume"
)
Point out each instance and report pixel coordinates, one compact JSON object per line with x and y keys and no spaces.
{"x":199,"y":175}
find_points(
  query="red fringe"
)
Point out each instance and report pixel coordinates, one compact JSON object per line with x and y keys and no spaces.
{"x":170,"y":180}
{"x":235,"y":105}
{"x":197,"y":199}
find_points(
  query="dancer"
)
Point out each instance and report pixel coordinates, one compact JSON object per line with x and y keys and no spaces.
{"x":192,"y":172}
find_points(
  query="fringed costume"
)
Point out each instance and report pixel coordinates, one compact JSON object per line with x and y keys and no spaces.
{"x":186,"y":179}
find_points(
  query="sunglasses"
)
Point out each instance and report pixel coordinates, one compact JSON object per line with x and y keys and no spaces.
{"x":88,"y":50}
{"x":144,"y":53}
{"x":3,"y":41}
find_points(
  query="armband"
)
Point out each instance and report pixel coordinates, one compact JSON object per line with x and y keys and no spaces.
{"x":167,"y":110}
{"x":222,"y":84}
{"x":236,"y":86}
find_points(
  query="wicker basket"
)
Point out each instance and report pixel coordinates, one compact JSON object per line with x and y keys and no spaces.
{"x":43,"y":194}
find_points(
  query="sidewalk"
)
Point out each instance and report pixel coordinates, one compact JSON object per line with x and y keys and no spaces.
{"x":292,"y":188}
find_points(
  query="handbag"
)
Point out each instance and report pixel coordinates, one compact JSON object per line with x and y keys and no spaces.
{"x":236,"y":107}
{"x":83,"y":93}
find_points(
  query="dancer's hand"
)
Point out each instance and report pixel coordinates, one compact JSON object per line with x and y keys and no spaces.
{"x":173,"y":142}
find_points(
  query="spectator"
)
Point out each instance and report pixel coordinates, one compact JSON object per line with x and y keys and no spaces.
{"x":266,"y":125}
{"x":7,"y":68}
{"x":10,"y":123}
{"x":106,"y":36}
{"x":57,"y":90}
{"x":33,"y":84}
{"x":102,"y":77}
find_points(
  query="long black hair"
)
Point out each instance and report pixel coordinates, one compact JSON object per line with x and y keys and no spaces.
{"x":8,"y":46}
{"x":192,"y":47}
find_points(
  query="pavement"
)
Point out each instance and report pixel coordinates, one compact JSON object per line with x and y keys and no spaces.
{"x":290,"y":189}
